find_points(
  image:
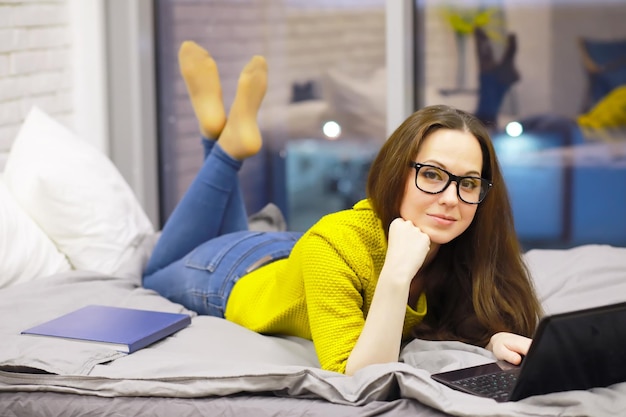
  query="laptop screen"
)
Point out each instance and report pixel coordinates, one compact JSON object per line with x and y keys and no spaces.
{"x":575,"y":350}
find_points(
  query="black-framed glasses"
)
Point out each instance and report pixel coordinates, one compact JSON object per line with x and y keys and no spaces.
{"x":434,"y":180}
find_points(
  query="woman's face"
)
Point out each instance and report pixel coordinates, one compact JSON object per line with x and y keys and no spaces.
{"x":443,"y":216}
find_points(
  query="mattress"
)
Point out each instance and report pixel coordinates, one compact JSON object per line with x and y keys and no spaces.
{"x":215,"y":367}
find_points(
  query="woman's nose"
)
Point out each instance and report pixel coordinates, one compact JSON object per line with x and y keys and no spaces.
{"x":450,"y":194}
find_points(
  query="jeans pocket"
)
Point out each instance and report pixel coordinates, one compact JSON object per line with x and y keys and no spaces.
{"x":227,"y":258}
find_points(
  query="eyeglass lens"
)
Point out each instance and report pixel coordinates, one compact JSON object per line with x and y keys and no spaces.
{"x":434,"y":180}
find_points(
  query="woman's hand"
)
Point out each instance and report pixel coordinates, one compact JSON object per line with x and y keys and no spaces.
{"x":509,"y":347}
{"x":407,"y":248}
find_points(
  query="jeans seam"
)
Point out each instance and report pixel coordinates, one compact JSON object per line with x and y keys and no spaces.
{"x":216,"y":259}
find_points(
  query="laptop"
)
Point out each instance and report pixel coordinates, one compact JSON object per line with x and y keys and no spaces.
{"x":570,"y":351}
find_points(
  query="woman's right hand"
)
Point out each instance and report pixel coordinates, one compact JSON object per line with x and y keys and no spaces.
{"x":407,"y":248}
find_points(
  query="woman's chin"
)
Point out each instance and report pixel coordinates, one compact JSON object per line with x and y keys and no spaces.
{"x":439,"y":238}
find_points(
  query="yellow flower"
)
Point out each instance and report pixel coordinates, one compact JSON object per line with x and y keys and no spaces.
{"x":464,"y":21}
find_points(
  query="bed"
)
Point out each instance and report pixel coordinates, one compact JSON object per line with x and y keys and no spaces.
{"x":214,"y":367}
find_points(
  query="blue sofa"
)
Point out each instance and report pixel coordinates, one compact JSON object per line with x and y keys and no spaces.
{"x":565,"y":190}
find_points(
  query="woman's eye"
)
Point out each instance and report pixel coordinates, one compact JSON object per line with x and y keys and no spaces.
{"x":469,"y":183}
{"x":432,"y":174}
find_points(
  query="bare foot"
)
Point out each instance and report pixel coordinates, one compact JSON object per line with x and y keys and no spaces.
{"x":241,"y":137}
{"x":201,"y":76}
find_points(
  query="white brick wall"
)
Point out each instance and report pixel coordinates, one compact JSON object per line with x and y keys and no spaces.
{"x":35,"y":64}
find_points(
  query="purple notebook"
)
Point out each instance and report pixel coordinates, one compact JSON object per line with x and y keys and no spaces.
{"x":123,"y":329}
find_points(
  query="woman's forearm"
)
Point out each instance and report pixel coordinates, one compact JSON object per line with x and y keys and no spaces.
{"x":381,"y":336}
{"x":380,"y":339}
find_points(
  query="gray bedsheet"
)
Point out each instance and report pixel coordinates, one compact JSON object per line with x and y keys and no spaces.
{"x":50,"y":404}
{"x":213,"y":357}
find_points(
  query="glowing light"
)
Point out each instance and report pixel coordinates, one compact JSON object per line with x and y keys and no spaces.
{"x":331,"y":129}
{"x":514,"y":129}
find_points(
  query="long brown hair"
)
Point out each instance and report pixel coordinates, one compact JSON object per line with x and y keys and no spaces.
{"x":477,"y":284}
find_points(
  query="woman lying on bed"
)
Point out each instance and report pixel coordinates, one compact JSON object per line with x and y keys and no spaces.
{"x":431,"y":253}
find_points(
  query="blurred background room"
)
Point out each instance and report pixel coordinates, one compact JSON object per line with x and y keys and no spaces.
{"x":548,"y":77}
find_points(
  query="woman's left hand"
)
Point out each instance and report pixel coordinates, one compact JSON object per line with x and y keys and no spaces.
{"x":509,"y":347}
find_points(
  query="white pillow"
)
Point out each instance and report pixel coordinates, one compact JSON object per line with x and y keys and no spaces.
{"x":26,"y":252}
{"x":358,"y":104}
{"x":75,"y":194}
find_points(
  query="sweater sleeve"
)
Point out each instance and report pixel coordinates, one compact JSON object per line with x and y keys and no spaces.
{"x":334,"y":301}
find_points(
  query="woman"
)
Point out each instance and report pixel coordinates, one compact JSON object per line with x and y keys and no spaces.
{"x":430,"y":253}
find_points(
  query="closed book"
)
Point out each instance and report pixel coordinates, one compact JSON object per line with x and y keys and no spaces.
{"x":123,"y":329}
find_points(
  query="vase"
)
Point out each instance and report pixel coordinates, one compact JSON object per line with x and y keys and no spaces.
{"x":461,"y":60}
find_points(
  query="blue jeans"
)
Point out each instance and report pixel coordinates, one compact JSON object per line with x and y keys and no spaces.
{"x":205,"y":246}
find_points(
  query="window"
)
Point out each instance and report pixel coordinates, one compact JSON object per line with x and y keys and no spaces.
{"x":326,"y":64}
{"x":549,"y":79}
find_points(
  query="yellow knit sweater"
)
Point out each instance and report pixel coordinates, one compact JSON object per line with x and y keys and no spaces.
{"x":324,"y":290}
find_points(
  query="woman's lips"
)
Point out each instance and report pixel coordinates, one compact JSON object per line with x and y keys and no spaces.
{"x":442,"y":219}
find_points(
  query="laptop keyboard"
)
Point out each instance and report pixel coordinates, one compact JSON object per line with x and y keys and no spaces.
{"x":497,"y":385}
